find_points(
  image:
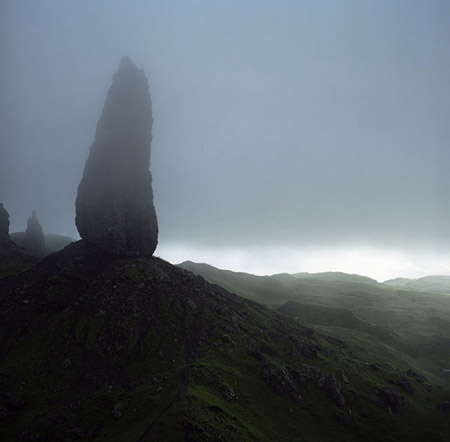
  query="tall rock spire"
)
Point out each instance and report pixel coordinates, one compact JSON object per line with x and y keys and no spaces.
{"x":114,"y":206}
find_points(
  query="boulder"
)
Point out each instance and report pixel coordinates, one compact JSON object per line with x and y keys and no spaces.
{"x":114,"y":205}
{"x":229,"y":394}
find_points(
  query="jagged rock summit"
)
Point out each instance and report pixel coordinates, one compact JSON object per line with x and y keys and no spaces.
{"x":114,"y":206}
{"x":4,"y":225}
{"x":34,"y":237}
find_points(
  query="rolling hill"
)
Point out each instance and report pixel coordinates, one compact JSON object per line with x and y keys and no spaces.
{"x":410,"y":323}
{"x":95,"y":347}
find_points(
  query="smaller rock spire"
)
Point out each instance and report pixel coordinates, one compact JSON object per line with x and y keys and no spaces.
{"x":4,"y":225}
{"x":34,"y":237}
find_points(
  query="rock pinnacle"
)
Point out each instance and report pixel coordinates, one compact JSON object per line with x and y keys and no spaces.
{"x":34,"y":237}
{"x":114,"y":206}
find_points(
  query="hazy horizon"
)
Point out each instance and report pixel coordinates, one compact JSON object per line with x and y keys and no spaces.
{"x":287,"y":136}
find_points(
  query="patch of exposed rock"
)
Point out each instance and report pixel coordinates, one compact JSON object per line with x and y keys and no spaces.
{"x":417,"y":376}
{"x":391,"y":399}
{"x":404,"y":384}
{"x":281,"y":380}
{"x":114,"y":205}
{"x":332,"y":388}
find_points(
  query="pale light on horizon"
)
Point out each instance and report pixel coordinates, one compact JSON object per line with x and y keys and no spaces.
{"x":378,"y":264}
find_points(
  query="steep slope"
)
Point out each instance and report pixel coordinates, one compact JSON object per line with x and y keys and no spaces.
{"x":135,"y":349}
{"x":414,"y":323}
{"x":14,"y":260}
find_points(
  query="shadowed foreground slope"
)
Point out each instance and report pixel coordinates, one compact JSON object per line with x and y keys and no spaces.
{"x":94,"y":347}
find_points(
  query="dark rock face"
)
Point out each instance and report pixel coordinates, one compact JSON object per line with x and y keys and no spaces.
{"x":4,"y":225}
{"x":404,"y":384}
{"x":114,"y":206}
{"x":332,"y":388}
{"x":281,"y":381}
{"x":34,"y":237}
{"x":443,"y":406}
{"x":391,"y":399}
{"x":418,"y":377}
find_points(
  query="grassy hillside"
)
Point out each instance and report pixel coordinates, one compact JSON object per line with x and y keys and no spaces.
{"x":414,"y":323}
{"x":433,"y":284}
{"x":121,"y":349}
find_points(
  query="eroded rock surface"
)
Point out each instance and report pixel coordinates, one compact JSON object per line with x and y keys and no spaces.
{"x":114,"y":206}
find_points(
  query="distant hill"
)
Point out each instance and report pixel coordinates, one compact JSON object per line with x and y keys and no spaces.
{"x":395,"y":322}
{"x":433,"y":283}
{"x":53,"y":242}
{"x":280,"y":288}
{"x":336,"y":276}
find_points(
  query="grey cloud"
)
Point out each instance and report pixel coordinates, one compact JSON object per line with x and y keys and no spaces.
{"x":295,"y":123}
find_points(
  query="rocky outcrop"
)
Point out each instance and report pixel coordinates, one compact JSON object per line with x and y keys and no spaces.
{"x":391,"y":399}
{"x":332,"y":388}
{"x":404,"y":384}
{"x":34,"y":237}
{"x":114,"y":206}
{"x":281,"y":380}
{"x":417,"y":376}
{"x":4,"y":225}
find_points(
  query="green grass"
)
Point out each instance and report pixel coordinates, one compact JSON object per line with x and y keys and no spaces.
{"x":413,"y":323}
{"x":171,"y":365}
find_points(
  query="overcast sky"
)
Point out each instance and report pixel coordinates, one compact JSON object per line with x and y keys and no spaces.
{"x":288,"y":135}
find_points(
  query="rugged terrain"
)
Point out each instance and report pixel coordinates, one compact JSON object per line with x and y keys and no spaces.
{"x":95,"y":347}
{"x":400,"y":324}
